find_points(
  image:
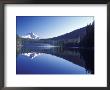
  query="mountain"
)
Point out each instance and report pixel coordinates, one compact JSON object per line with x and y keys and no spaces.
{"x":72,"y":35}
{"x":82,"y":37}
{"x":31,"y":36}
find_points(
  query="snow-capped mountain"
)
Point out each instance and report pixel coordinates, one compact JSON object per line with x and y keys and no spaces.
{"x":31,"y":36}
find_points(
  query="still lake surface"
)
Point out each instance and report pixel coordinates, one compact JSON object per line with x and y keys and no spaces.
{"x":54,"y":60}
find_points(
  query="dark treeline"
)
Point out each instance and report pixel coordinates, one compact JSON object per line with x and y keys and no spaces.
{"x":18,"y":41}
{"x":88,"y":40}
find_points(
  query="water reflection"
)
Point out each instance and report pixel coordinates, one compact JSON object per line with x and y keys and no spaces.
{"x":32,"y":55}
{"x":54,"y":60}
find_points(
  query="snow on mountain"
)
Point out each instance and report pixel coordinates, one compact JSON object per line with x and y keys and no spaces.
{"x":31,"y":36}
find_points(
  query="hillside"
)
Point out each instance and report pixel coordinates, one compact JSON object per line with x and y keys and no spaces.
{"x":72,"y":35}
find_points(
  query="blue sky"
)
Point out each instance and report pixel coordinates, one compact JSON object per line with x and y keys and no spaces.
{"x":50,"y":26}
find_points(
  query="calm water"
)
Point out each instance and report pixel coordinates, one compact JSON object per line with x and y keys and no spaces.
{"x":54,"y":60}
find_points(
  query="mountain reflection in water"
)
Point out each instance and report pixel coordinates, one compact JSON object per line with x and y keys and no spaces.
{"x":54,"y":60}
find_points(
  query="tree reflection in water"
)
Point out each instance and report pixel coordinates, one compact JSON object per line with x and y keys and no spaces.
{"x":81,"y":57}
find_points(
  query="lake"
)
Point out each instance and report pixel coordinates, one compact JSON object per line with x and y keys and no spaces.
{"x":54,"y":60}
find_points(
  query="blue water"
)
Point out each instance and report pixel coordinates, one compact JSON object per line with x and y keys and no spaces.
{"x":50,"y":61}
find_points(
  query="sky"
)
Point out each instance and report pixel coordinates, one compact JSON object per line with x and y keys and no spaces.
{"x":50,"y":26}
